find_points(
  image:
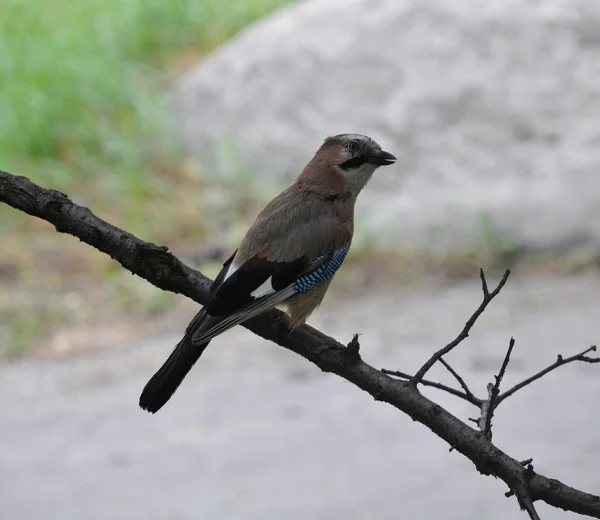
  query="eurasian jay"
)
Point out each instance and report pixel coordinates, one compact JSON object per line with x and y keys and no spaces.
{"x":288,"y":256}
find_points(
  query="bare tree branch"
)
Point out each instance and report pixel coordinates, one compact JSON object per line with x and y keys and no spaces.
{"x":159,"y":267}
{"x":560,"y":361}
{"x":470,"y":398}
{"x":489,"y":406}
{"x":460,"y":380}
{"x":464,"y":334}
{"x":149,"y":261}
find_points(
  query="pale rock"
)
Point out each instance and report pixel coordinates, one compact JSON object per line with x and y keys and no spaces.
{"x":493,"y":109}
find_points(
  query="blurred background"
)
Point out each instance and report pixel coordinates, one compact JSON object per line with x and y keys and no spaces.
{"x":178,"y":121}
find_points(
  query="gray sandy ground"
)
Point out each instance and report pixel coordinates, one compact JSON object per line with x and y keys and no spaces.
{"x":257,"y":433}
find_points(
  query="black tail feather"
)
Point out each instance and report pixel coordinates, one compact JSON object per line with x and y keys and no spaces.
{"x":167,"y":379}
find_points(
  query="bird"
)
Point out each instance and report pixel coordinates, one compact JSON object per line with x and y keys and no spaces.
{"x":287,"y":258}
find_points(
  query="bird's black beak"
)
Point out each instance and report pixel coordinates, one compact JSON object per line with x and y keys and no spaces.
{"x":382,"y":158}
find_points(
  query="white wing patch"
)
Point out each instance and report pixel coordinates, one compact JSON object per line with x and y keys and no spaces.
{"x":263,"y":290}
{"x":232,"y":269}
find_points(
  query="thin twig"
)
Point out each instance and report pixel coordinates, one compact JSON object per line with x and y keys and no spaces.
{"x":353,"y":349}
{"x":488,"y":408}
{"x":464,"y":334}
{"x":460,"y":380}
{"x":470,"y":398}
{"x":484,"y":409}
{"x":527,"y":504}
{"x":560,"y":361}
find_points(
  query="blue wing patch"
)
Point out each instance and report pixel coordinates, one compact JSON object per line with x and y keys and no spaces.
{"x":323,"y":273}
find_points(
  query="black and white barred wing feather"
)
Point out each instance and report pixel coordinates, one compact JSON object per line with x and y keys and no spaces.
{"x":260,"y":285}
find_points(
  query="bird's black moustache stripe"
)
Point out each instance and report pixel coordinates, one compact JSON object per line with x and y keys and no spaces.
{"x":355,"y":162}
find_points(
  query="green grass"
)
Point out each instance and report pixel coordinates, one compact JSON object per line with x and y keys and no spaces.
{"x":81,"y":86}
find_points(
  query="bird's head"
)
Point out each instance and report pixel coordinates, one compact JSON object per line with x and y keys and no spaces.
{"x":354,"y":156}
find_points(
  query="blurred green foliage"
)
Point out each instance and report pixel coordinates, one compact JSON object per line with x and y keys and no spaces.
{"x":81,"y":85}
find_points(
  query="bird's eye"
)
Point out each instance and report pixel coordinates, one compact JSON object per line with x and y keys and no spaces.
{"x":353,"y":146}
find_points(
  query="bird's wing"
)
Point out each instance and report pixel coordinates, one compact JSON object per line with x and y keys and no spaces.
{"x":295,"y":243}
{"x":260,"y":284}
